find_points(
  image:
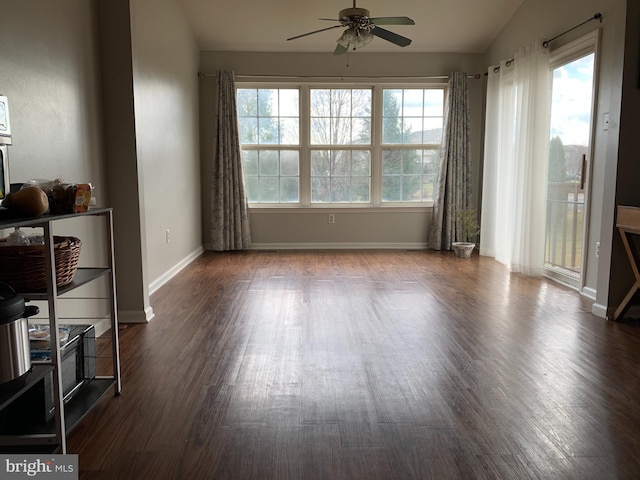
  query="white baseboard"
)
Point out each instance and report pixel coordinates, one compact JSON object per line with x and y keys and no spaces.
{"x":338,"y":246}
{"x":599,"y":310}
{"x":589,"y":292}
{"x":135,"y":316}
{"x":173,"y":271}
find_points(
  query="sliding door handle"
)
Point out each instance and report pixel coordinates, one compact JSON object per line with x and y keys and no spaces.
{"x":583,"y":169}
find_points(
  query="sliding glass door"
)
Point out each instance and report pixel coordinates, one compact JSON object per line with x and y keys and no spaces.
{"x":569,"y":152}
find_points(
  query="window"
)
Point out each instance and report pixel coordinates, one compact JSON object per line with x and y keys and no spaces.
{"x":360,"y":147}
{"x":340,"y":118}
{"x":269,"y":124}
{"x":411,"y":137}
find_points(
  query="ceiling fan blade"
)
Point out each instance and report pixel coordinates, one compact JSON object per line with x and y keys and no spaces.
{"x":340,"y":49}
{"x":391,"y":37}
{"x":315,"y":31}
{"x":392,"y":21}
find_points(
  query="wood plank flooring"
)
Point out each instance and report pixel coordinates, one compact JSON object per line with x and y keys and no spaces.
{"x":367,"y":365}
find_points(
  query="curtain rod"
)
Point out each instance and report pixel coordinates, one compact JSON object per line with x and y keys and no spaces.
{"x":597,"y":16}
{"x":433,"y":77}
{"x":545,"y":44}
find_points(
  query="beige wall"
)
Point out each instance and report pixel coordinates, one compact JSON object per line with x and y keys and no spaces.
{"x":122,"y":168}
{"x":165,"y":69}
{"x":106,"y":91}
{"x":544,"y":19}
{"x":398,"y":228}
{"x":49,"y":72}
{"x":149,"y":66}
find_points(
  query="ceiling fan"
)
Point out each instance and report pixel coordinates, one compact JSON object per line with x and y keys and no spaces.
{"x":361,"y":28}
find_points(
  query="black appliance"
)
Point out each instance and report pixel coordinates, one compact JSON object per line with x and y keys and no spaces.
{"x":36,"y":406}
{"x":77,"y":362}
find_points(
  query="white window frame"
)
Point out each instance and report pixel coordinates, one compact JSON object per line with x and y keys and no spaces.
{"x":376,"y":146}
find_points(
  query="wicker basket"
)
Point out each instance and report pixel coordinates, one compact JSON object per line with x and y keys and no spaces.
{"x":23,"y":267}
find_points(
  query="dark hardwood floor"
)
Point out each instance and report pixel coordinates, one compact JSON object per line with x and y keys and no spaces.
{"x":367,"y":365}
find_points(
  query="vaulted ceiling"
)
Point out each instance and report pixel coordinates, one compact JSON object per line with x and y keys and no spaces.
{"x":442,"y":26}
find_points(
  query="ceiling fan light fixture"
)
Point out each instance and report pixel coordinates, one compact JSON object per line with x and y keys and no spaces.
{"x":354,"y":39}
{"x":347,"y":38}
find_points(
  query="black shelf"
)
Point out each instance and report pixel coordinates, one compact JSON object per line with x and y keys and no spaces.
{"x":82,"y":276}
{"x":37,"y":373}
{"x":85,"y":399}
{"x":8,"y":219}
{"x":34,"y":441}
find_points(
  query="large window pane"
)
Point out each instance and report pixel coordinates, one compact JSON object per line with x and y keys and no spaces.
{"x":268,"y":131}
{"x":268,"y":116}
{"x":268,"y":162}
{"x":433,"y":131}
{"x":289,"y":190}
{"x":433,"y":102}
{"x":252,"y":186}
{"x":248,"y":130}
{"x":272,"y":176}
{"x":340,"y":176}
{"x":411,"y":117}
{"x":269,"y":189}
{"x":289,"y":133}
{"x":340,"y":116}
{"x":413,"y":131}
{"x":289,"y":103}
{"x":268,"y":103}
{"x":289,"y":163}
{"x":391,"y":188}
{"x":408,"y":175}
{"x":247,"y":102}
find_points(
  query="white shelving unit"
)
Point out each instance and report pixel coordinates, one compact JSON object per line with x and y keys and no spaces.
{"x":53,"y":437}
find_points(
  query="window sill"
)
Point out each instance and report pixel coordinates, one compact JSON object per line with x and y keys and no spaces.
{"x":258,"y":209}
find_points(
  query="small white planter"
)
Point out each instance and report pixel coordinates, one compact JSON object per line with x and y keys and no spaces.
{"x":463,"y":249}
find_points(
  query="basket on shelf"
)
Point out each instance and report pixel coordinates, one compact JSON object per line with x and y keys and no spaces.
{"x":23,"y":267}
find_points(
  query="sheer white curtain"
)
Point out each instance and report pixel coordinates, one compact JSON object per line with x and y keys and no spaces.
{"x":515,"y":161}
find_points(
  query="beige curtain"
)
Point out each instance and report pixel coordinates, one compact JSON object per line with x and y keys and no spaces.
{"x":229,"y":210}
{"x":453,"y":188}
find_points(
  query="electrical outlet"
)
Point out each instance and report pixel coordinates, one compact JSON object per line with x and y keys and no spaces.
{"x":597,"y":249}
{"x":332,"y":218}
{"x":168,"y":235}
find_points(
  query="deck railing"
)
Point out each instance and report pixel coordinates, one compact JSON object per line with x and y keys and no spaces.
{"x":565,"y":222}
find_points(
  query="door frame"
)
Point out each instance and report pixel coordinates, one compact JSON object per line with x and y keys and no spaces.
{"x":585,"y":45}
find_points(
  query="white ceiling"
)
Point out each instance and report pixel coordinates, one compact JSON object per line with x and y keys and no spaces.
{"x":443,"y":26}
